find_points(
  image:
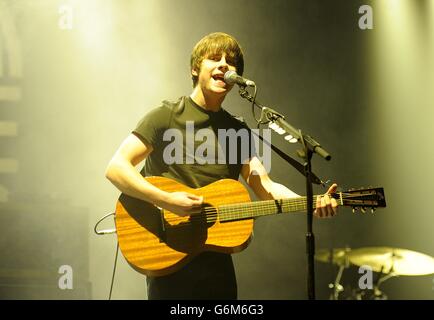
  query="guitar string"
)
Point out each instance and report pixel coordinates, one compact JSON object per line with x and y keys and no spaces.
{"x":232,"y":210}
{"x":294,"y":203}
{"x":249,"y":210}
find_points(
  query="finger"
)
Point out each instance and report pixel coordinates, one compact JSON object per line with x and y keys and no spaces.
{"x":318,"y":207}
{"x":328,"y":206}
{"x":323,"y":207}
{"x":198,"y":204}
{"x":195,"y":210}
{"x":185,"y":213}
{"x":193,"y":196}
{"x":334,"y":206}
{"x":333,"y":188}
{"x":196,"y":199}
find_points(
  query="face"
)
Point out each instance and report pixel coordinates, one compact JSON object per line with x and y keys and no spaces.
{"x":212,"y":71}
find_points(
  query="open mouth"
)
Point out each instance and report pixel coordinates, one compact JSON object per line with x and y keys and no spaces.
{"x":218,"y":76}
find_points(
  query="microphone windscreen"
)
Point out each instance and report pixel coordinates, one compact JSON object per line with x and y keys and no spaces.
{"x":230,"y":77}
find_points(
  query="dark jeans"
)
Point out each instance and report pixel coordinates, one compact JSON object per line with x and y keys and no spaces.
{"x":210,"y":275}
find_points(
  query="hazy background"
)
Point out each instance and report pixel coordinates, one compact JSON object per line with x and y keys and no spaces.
{"x":76,"y":77}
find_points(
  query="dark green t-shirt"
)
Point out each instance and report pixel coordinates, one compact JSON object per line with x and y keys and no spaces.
{"x":195,"y":147}
{"x":192,"y":145}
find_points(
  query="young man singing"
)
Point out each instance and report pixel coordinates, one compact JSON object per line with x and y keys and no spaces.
{"x":209,"y":275}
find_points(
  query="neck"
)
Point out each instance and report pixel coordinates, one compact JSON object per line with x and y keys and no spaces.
{"x":210,"y":102}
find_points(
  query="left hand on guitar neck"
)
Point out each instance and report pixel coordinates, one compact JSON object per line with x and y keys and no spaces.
{"x":326,"y":207}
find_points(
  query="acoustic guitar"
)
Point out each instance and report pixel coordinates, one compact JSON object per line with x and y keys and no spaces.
{"x":157,"y":242}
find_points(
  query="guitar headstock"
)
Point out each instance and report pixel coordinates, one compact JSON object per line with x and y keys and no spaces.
{"x":370,"y":198}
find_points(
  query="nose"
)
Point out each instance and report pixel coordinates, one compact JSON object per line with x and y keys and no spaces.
{"x":223,"y":65}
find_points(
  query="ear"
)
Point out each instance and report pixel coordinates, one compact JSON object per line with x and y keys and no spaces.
{"x":194,"y":73}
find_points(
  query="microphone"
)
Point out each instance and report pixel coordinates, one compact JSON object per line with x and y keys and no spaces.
{"x":231,"y":77}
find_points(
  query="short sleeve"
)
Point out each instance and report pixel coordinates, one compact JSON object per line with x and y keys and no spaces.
{"x":248,"y":150}
{"x":150,"y":128}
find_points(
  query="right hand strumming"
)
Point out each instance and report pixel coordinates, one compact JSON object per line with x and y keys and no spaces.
{"x":183,"y":203}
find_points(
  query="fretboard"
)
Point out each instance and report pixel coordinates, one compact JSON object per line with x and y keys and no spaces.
{"x":248,"y":210}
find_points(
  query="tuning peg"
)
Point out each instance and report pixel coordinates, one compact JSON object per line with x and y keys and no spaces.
{"x":363,"y":209}
{"x":373,"y":210}
{"x":354,"y":209}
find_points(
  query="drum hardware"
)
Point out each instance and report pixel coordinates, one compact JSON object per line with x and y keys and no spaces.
{"x":386,"y":261}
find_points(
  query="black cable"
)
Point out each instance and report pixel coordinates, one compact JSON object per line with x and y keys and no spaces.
{"x":114,"y":270}
{"x":106,"y":231}
{"x":246,"y":95}
{"x":253,"y":100}
{"x":109,"y":231}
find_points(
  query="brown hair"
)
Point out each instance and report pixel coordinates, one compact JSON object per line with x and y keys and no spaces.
{"x":216,"y":43}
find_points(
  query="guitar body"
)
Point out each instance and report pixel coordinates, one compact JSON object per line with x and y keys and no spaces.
{"x":157,"y":242}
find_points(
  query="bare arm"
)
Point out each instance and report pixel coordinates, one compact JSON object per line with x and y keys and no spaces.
{"x":121,"y":171}
{"x":257,"y":178}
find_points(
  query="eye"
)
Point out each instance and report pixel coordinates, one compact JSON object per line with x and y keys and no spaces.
{"x":230,"y":61}
{"x":215,"y":57}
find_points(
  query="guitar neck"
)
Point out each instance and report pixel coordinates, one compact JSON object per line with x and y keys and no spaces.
{"x":249,"y":210}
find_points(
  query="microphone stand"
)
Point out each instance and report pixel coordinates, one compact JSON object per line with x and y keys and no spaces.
{"x":310,"y":146}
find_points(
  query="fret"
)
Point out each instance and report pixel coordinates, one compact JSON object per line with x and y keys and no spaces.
{"x":248,"y":210}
